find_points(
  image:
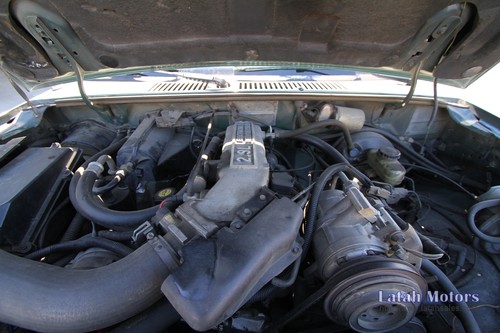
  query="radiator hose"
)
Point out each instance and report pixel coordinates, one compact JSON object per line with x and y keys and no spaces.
{"x":46,"y":298}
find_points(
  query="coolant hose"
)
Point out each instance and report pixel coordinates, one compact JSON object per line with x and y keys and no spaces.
{"x":472,"y":224}
{"x":46,"y":298}
{"x":464,"y":313}
{"x":92,"y":209}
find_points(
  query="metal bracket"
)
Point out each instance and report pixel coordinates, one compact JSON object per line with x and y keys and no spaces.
{"x":165,"y":252}
{"x":143,"y":232}
{"x":173,"y":119}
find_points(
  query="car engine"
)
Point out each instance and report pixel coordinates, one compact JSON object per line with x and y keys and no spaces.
{"x":285,"y":216}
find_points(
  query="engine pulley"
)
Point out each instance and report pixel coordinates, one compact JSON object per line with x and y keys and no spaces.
{"x":375,"y":294}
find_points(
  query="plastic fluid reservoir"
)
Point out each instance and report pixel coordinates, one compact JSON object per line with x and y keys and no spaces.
{"x":386,"y":165}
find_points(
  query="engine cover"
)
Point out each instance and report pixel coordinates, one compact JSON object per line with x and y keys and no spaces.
{"x":242,"y":173}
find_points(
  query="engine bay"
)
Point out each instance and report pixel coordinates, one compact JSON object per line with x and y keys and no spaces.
{"x":250,"y":216}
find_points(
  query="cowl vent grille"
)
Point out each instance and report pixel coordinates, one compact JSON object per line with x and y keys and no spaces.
{"x":179,"y":87}
{"x":264,"y":86}
{"x":290,"y":86}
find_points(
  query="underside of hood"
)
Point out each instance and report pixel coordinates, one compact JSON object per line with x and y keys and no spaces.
{"x":42,"y":39}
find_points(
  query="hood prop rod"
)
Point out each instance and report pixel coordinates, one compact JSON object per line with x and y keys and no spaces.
{"x":103,"y":112}
{"x":80,"y":76}
{"x":414,"y":80}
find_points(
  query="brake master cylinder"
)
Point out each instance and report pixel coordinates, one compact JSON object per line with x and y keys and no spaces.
{"x":386,"y":165}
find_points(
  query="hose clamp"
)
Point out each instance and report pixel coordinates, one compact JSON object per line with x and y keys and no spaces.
{"x":165,"y":252}
{"x":96,"y":168}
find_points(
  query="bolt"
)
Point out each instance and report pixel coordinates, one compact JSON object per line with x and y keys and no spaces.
{"x":159,"y":247}
{"x":354,"y":152}
{"x":24,"y":248}
{"x":479,"y":274}
{"x":237,"y":225}
{"x":463,"y":270}
{"x":397,"y":237}
{"x":295,"y":250}
{"x":247,"y":212}
{"x":262,"y":197}
{"x":441,"y":30}
{"x":150,"y":235}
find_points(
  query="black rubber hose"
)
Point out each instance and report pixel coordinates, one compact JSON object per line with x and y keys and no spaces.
{"x":156,"y":319}
{"x":472,"y":224}
{"x":111,"y":149}
{"x":42,"y":297}
{"x":459,"y":261}
{"x":267,"y":291}
{"x":428,"y":244}
{"x":81,"y":244}
{"x":74,"y":228}
{"x":430,"y":247}
{"x":116,"y":235}
{"x":107,"y":187}
{"x":173,"y":201}
{"x":464,"y":313}
{"x":312,"y":209}
{"x":212,"y":147}
{"x":330,"y":151}
{"x":399,"y":221}
{"x":316,"y":125}
{"x":437,"y":173}
{"x":413,"y":155}
{"x":277,"y":284}
{"x":333,"y":154}
{"x":197,"y":167}
{"x":290,"y":276}
{"x":92,"y":209}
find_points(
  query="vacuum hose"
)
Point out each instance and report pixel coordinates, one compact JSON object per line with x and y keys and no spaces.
{"x":93,"y":210}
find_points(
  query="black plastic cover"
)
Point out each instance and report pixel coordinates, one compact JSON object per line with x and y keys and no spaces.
{"x":31,"y":183}
{"x":144,"y":148}
{"x":221,"y":273}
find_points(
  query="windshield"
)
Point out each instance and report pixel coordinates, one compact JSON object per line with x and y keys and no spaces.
{"x":483,"y":92}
